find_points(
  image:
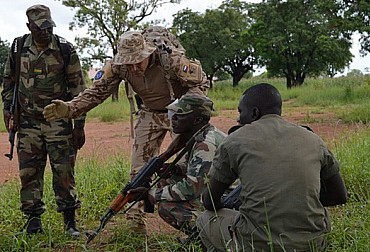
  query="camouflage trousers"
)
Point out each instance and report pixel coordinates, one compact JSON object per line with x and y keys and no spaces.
{"x":150,"y":130}
{"x":38,"y":139}
{"x":182,"y":215}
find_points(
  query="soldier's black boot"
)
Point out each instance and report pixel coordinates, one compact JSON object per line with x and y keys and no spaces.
{"x":70,"y":223}
{"x":32,"y":226}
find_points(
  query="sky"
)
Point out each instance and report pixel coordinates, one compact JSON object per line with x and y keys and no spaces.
{"x":13,"y":21}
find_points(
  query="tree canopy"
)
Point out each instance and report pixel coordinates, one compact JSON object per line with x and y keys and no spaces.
{"x":106,"y":21}
{"x":219,"y":38}
{"x":299,"y":38}
{"x":357,"y":12}
{"x":4,"y":49}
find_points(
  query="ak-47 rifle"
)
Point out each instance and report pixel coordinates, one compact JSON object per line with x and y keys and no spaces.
{"x":143,"y":178}
{"x":14,"y":108}
{"x":13,"y":122}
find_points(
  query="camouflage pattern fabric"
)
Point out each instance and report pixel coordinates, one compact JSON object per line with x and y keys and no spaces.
{"x":132,"y":48}
{"x":160,"y":36}
{"x":180,"y":214}
{"x":190,"y":102}
{"x":152,"y":88}
{"x":40,"y":15}
{"x":150,"y":130}
{"x":165,"y":79}
{"x":187,"y":189}
{"x":42,"y":79}
{"x":36,"y":140}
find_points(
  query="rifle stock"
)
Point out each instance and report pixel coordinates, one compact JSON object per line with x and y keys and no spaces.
{"x":143,"y":178}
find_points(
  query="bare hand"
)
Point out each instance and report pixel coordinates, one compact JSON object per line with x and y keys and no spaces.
{"x":78,"y":135}
{"x":138,"y":192}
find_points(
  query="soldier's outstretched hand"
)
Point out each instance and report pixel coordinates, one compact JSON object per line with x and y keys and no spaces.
{"x":56,"y":110}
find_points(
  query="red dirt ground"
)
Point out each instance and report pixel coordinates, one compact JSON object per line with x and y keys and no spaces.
{"x":104,"y":138}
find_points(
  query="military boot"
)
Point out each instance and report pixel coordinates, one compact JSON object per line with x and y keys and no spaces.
{"x":32,"y":226}
{"x":70,"y":223}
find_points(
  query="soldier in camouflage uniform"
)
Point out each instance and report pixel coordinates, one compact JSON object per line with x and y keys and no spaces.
{"x":158,"y":77}
{"x":44,"y":76}
{"x":178,"y":197}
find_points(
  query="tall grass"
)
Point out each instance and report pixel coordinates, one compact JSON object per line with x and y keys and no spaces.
{"x":347,"y":98}
{"x":99,"y":181}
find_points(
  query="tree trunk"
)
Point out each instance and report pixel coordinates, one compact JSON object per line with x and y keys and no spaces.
{"x":237,"y":76}
{"x":298,"y":80}
{"x":288,"y":81}
{"x":210,"y":78}
{"x":115,"y":94}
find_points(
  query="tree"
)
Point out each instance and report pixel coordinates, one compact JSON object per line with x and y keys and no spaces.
{"x":4,"y":49}
{"x":106,"y":21}
{"x":358,"y":12}
{"x":355,"y":73}
{"x":196,"y":33}
{"x":219,"y":38}
{"x":238,"y":42}
{"x":297,"y":38}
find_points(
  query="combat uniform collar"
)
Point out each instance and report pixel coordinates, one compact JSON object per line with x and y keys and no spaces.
{"x":200,"y":135}
{"x":53,"y":45}
{"x":270,"y":116}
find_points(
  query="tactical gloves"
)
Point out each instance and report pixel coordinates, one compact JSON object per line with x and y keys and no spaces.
{"x":56,"y":110}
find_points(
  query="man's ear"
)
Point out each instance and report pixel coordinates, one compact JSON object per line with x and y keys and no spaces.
{"x":256,"y":114}
{"x":198,"y":120}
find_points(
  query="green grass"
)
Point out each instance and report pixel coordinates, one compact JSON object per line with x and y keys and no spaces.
{"x":110,"y":111}
{"x":348,"y":98}
{"x":100,"y":181}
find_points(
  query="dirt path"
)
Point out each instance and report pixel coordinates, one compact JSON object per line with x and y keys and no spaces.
{"x":105,"y":139}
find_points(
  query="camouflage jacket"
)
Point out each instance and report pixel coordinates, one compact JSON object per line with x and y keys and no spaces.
{"x":167,"y":77}
{"x":42,"y":77}
{"x":196,"y":165}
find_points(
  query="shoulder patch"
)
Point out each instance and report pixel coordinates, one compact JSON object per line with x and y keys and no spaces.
{"x":190,"y":69}
{"x":98,"y":75}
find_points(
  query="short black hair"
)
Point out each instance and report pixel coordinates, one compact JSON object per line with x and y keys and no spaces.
{"x":265,"y":97}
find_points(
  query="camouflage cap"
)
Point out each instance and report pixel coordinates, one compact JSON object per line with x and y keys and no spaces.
{"x":190,"y":102}
{"x":40,"y":15}
{"x":132,"y":48}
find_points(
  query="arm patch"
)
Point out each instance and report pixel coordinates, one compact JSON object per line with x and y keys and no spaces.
{"x":190,"y":70}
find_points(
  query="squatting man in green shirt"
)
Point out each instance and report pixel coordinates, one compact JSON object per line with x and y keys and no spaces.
{"x":288,"y":177}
